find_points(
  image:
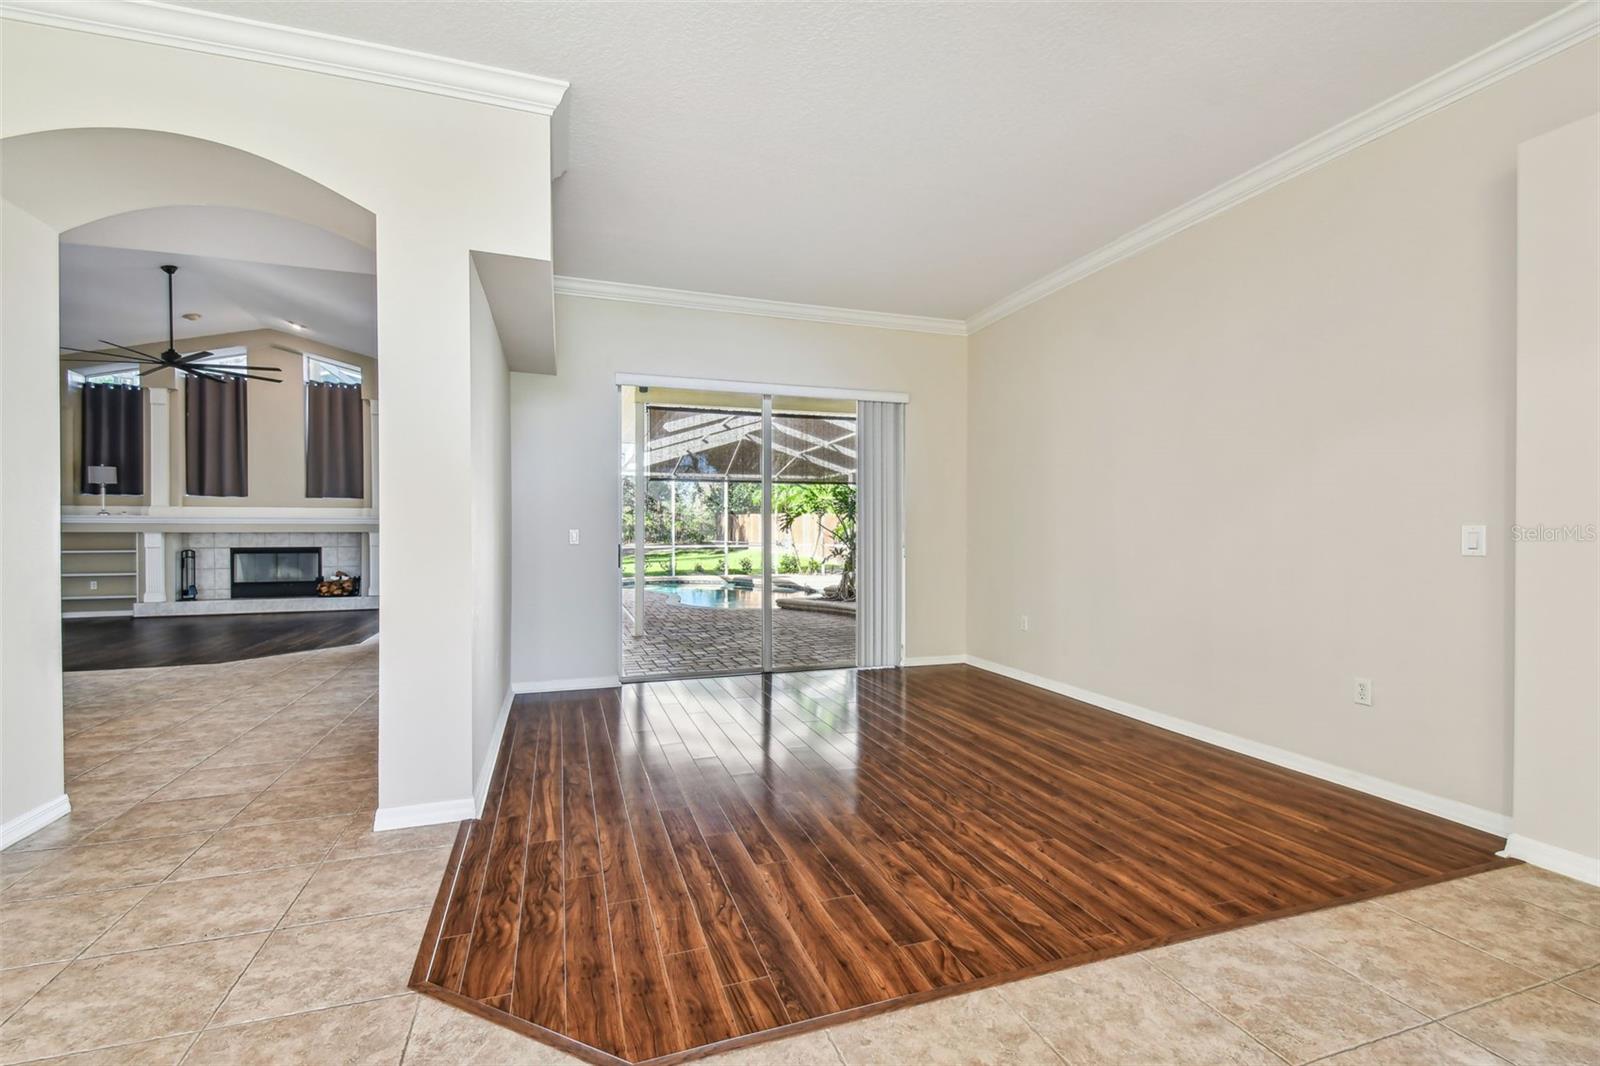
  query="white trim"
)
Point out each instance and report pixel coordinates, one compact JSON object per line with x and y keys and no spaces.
{"x":480,"y":791}
{"x":1557,"y":860}
{"x":1544,"y":38}
{"x":30,"y":822}
{"x":813,"y":392}
{"x":933,"y":660}
{"x":456,"y":810}
{"x":749,"y":305}
{"x":1453,"y":810}
{"x":283,"y":46}
{"x":566,"y":684}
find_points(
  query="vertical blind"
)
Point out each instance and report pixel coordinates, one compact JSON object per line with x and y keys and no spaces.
{"x":880,"y":534}
{"x":113,"y":435}
{"x":216,"y":431}
{"x":334,"y":454}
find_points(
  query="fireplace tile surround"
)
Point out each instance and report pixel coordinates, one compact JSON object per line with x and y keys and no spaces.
{"x":213,"y":555}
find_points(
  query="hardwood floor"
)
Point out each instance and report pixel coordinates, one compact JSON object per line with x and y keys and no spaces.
{"x":125,"y":643}
{"x":684,"y":864}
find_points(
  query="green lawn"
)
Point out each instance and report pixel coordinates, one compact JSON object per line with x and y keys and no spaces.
{"x":658,"y":563}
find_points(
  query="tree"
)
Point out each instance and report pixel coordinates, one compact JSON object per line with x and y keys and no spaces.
{"x":835,"y":501}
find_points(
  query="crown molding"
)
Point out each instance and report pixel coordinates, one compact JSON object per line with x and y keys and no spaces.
{"x":746,"y":305}
{"x":1570,"y":25}
{"x":236,"y":38}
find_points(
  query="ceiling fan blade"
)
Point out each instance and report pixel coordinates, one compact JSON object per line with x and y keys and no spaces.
{"x":225,"y":373}
{"x":89,"y":355}
{"x":235,"y":372}
{"x":125,"y":348}
{"x":109,"y":360}
{"x":195,"y":357}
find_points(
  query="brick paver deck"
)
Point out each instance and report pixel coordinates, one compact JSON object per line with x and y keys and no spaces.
{"x":680,"y":639}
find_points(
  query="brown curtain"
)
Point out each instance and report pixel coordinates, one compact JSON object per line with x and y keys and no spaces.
{"x":333,"y":441}
{"x":215,"y":416}
{"x":113,"y":435}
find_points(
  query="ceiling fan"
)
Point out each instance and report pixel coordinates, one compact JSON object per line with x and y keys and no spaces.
{"x":170,"y":359}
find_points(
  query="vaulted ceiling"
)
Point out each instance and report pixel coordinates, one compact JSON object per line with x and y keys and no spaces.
{"x":916,"y":158}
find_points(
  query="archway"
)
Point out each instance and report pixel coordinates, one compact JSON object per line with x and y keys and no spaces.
{"x":54,"y":181}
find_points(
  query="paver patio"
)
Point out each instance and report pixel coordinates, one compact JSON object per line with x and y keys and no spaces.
{"x":679,"y":639}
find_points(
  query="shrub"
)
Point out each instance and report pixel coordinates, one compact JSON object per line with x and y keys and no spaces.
{"x":789,"y":564}
{"x":699,"y":568}
{"x":746,"y":566}
{"x":810,"y":566}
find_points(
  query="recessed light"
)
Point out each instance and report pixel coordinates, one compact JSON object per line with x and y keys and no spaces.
{"x":191,"y":316}
{"x":296,"y":326}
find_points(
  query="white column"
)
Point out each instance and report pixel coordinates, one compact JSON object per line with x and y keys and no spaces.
{"x":672,"y":527}
{"x":766,"y":533}
{"x":727,"y":527}
{"x":158,"y":423}
{"x":372,"y":457}
{"x":641,"y":433}
{"x":155,"y":566}
{"x":369,"y":566}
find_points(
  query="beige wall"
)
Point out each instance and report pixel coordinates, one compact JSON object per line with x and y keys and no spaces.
{"x":277,"y":426}
{"x":564,"y":437}
{"x":1227,"y":476}
{"x":491,"y":536}
{"x":31,"y":744}
{"x":1556,"y":802}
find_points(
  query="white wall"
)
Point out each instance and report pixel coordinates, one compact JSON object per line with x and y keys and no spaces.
{"x":491,"y":536}
{"x":399,"y":154}
{"x":564,"y":439}
{"x":1556,"y":801}
{"x":1227,"y":476}
{"x":30,"y":638}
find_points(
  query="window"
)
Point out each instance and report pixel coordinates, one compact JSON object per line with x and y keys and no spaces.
{"x":335,"y":423}
{"x":324,"y":371}
{"x":224,"y":357}
{"x":104,"y":375}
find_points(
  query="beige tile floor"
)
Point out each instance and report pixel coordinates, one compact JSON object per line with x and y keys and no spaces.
{"x":217,"y":896}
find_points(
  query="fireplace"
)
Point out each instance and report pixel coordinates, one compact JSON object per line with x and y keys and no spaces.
{"x":263,"y":572}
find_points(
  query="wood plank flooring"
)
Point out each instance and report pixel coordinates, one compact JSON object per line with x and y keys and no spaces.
{"x":190,"y":640}
{"x":686,"y":864}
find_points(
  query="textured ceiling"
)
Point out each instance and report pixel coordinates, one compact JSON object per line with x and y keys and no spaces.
{"x":917,"y":158}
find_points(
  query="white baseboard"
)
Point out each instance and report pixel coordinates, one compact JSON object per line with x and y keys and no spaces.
{"x":1571,"y":864}
{"x":456,"y":810}
{"x":480,"y":790}
{"x":30,"y":822}
{"x":565,"y":684}
{"x":933,"y":660}
{"x":1453,"y":810}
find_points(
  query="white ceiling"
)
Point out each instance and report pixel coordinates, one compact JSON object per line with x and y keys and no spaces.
{"x":915,"y":158}
{"x":239,"y":270}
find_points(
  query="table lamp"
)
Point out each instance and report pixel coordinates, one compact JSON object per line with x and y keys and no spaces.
{"x":102,"y":476}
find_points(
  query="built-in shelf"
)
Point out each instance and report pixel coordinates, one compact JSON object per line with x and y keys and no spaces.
{"x":115,"y":547}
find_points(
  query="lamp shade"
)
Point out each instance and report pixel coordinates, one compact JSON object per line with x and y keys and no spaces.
{"x":101,"y":475}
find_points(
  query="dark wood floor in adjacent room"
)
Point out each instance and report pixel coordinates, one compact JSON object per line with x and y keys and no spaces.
{"x":190,"y":640}
{"x":687,"y":863}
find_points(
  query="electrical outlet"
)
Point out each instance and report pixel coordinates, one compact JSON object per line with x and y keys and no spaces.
{"x":1022,"y":623}
{"x":93,"y":585}
{"x":1364,"y":691}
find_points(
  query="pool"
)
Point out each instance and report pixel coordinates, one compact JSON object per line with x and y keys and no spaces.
{"x":697,"y":595}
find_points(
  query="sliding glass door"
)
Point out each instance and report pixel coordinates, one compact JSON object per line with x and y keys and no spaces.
{"x":737,"y":532}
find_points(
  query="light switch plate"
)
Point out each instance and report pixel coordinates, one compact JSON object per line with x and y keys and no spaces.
{"x":1474,"y":540}
{"x":572,"y":536}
